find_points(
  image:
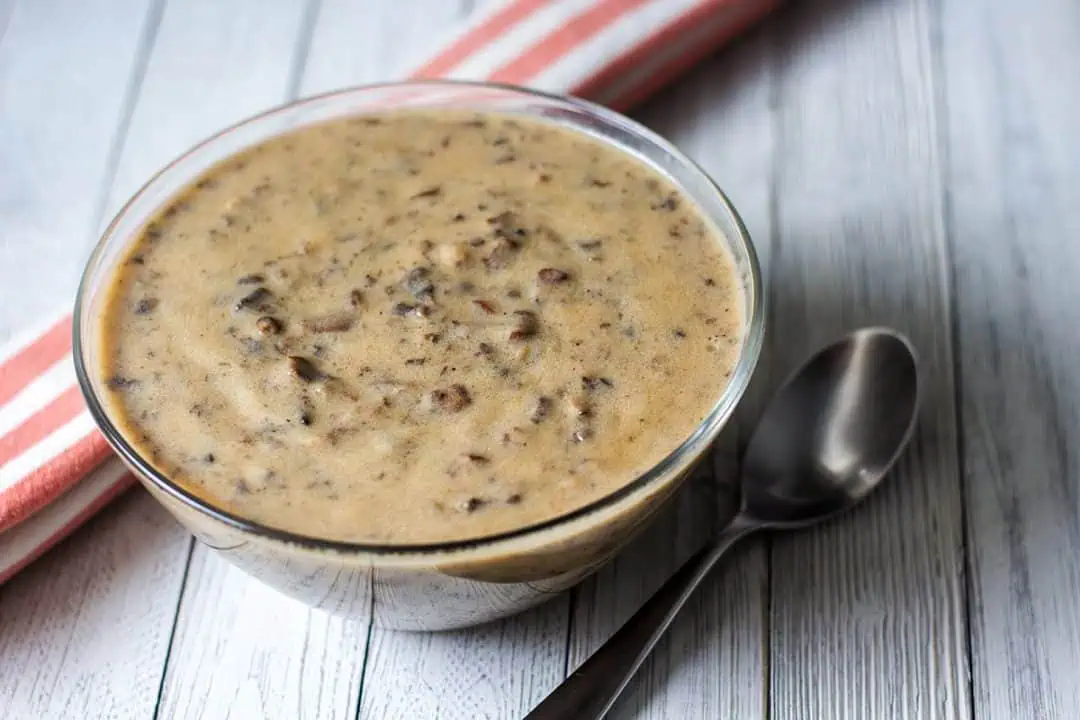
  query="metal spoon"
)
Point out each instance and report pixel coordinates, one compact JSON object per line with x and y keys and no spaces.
{"x":828,"y":437}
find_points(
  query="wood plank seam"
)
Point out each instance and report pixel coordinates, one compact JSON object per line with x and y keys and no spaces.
{"x":940,"y":108}
{"x":770,"y":272}
{"x":172,"y":630}
{"x":302,"y":48}
{"x":7,"y":9}
{"x":571,"y":605}
{"x":367,"y":645}
{"x":142,"y":59}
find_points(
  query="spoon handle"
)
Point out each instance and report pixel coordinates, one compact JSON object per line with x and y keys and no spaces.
{"x":591,"y":690}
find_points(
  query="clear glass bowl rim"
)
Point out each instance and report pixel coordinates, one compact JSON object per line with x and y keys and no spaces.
{"x":703,"y":436}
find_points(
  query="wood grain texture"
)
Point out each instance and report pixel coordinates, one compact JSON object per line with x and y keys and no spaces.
{"x":6,"y":8}
{"x":495,"y":671}
{"x":57,"y":128}
{"x":711,"y":663}
{"x":84,"y":630}
{"x":243,"y":650}
{"x":868,"y":610}
{"x":212,"y":65}
{"x":1011,"y":97}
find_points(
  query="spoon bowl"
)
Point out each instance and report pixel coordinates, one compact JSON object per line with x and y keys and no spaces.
{"x":832,"y":431}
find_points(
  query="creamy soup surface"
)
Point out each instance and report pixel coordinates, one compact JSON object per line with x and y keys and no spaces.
{"x":419,"y":326}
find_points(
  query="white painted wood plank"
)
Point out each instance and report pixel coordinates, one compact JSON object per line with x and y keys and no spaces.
{"x":213,"y":64}
{"x":1012,"y":101}
{"x":6,"y":8}
{"x":65,"y":70}
{"x":82,"y":633}
{"x":491,"y":672}
{"x":868,"y":611}
{"x":711,"y":663}
{"x":500,"y":670}
{"x":243,"y":650}
{"x":84,"y":630}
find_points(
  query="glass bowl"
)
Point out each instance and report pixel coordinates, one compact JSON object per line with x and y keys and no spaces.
{"x":443,"y":585}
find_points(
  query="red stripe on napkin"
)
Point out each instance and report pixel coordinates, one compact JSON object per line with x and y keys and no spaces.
{"x":493,"y":26}
{"x":39,"y":425}
{"x":37,"y":357}
{"x":551,"y":48}
{"x":56,"y":522}
{"x":51,"y":479}
{"x":729,"y":18}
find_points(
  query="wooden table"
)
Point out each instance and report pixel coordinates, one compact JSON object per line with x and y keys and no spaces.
{"x":906,"y":162}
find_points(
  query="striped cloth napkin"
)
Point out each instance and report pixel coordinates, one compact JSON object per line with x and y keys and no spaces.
{"x":56,"y":470}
